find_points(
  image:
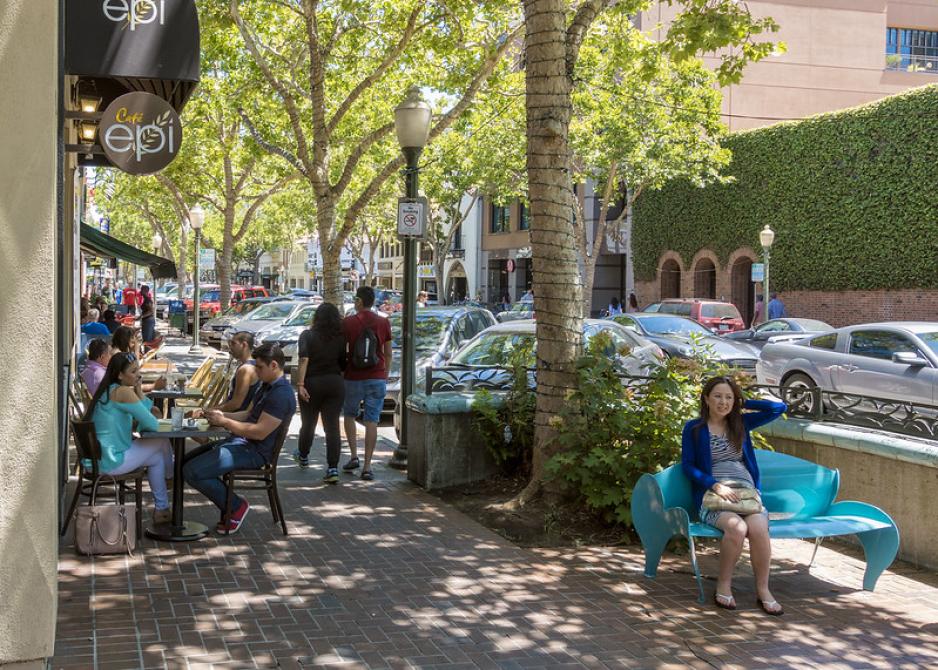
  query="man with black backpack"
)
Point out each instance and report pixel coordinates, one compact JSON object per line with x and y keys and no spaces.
{"x":368,"y":337}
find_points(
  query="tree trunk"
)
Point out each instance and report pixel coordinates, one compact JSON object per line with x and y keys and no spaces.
{"x":557,"y":287}
{"x":441,"y":295}
{"x":224,"y":272}
{"x":589,"y":275}
{"x":331,"y":249}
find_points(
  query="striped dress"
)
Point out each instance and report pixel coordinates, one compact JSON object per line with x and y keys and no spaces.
{"x":727,"y":464}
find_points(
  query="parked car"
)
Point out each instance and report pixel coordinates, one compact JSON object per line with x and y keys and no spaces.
{"x":493,"y":347}
{"x":517,"y":312}
{"x":263,"y":319}
{"x":720,"y":317}
{"x":210,"y":299}
{"x":441,"y":331}
{"x":287,"y":334}
{"x":893,"y":360}
{"x":777,"y":330}
{"x":682,"y":337}
{"x":651,"y":307}
{"x":211,"y":331}
{"x":167,"y":293}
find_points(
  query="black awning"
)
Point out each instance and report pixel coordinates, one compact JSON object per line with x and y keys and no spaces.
{"x":133,"y":39}
{"x":97,"y":243}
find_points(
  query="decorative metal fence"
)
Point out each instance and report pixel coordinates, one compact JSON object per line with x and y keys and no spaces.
{"x":815,"y":404}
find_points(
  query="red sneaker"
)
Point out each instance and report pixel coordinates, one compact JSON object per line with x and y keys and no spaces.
{"x":237,"y":518}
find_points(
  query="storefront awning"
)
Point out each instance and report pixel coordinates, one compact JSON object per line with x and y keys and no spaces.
{"x":97,"y":243}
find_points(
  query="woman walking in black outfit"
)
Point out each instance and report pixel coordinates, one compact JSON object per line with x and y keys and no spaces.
{"x":322,"y":386}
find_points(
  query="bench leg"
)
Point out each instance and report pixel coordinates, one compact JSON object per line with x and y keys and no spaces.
{"x":654,"y":548}
{"x":880,"y":547}
{"x":817,"y":545}
{"x":693,"y":562}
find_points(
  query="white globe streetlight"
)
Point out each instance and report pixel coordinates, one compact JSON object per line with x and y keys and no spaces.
{"x":196,"y":221}
{"x":766,"y":238}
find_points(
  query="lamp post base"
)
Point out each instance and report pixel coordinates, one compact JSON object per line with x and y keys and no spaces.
{"x":195,"y":349}
{"x":399,"y":459}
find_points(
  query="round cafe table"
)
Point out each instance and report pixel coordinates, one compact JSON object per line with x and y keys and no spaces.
{"x":180,"y":530}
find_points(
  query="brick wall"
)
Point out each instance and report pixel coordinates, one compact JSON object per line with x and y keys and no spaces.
{"x":838,"y":308}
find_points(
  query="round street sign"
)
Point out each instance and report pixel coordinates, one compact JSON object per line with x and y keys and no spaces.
{"x":140,"y":133}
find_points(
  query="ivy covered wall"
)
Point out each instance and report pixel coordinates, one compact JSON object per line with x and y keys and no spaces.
{"x":852,"y":196}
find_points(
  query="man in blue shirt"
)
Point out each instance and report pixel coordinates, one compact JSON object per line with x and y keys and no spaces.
{"x":91,"y":326}
{"x":776,"y":307}
{"x":254,"y":436}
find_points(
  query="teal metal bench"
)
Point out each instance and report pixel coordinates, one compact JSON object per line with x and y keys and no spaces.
{"x":802,"y":491}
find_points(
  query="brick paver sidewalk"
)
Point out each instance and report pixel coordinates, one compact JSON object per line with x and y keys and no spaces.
{"x":383,"y":575}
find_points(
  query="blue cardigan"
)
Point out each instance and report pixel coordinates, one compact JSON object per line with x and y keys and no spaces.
{"x":695,"y":454}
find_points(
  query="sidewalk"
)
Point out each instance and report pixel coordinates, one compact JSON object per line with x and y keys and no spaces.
{"x":383,"y":575}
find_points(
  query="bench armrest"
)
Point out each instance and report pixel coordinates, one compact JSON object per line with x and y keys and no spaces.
{"x":880,"y":546}
{"x":655,"y":524}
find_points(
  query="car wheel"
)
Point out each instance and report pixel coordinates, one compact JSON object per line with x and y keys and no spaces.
{"x":796,"y":391}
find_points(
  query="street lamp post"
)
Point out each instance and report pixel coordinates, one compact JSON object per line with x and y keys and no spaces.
{"x":412,"y":123}
{"x":196,"y":219}
{"x":157,"y":245}
{"x":766,"y":238}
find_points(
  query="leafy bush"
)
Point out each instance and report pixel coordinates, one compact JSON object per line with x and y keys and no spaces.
{"x":850,"y":195}
{"x":506,"y":422}
{"x":611,"y":434}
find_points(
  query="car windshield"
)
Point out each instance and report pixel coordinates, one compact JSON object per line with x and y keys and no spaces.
{"x":302,"y":318}
{"x":930,"y":340}
{"x":272,"y":312}
{"x":495,"y":348}
{"x":671,"y":325}
{"x":431,"y":329}
{"x":718,"y":311}
{"x":811,"y":324}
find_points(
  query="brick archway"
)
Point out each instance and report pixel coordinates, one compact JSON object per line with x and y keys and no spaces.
{"x":670,"y":275}
{"x":705,"y":279}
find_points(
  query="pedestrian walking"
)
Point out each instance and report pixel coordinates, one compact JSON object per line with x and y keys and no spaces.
{"x":776,"y":307}
{"x":615,"y":307}
{"x":322,"y":350}
{"x":368,"y":337}
{"x":633,"y":304}
{"x":758,"y":313}
{"x":147,"y":315}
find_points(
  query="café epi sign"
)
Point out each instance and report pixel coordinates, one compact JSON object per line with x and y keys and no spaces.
{"x":140,"y":133}
{"x":135,"y":13}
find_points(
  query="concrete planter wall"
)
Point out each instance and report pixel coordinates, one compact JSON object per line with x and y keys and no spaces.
{"x":443,"y":447}
{"x":898,"y":475}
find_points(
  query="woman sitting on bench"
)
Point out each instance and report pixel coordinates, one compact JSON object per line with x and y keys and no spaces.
{"x":716,"y":449}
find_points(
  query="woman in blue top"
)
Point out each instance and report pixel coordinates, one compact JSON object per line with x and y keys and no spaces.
{"x":118,"y":402}
{"x":716,"y":448}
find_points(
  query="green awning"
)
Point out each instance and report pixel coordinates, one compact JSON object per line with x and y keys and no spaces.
{"x":98,"y":244}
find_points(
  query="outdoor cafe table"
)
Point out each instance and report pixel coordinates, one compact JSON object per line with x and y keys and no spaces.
{"x":172,"y":395}
{"x":179,"y":530}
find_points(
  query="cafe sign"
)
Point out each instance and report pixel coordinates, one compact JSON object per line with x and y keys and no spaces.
{"x":140,"y":133}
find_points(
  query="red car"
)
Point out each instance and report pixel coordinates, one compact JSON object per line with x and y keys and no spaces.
{"x":210,"y":299}
{"x":720,"y":317}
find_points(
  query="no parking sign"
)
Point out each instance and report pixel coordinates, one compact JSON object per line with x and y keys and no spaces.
{"x":412,"y":217}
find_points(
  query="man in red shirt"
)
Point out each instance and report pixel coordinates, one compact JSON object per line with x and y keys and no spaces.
{"x":368,"y":337}
{"x":129,"y":296}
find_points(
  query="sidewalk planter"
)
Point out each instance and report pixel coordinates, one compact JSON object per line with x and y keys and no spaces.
{"x":443,"y":446}
{"x":897,"y":474}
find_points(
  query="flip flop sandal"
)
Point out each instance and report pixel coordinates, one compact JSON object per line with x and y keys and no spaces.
{"x":368,"y":475}
{"x":724,"y":602}
{"x":766,"y":604}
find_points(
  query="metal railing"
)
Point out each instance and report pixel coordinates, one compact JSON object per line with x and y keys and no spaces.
{"x":899,"y":417}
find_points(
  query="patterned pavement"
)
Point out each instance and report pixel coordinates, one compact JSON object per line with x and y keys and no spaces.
{"x":383,"y":575}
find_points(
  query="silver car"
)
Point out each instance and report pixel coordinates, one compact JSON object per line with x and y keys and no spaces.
{"x":894,"y":360}
{"x":287,"y":334}
{"x":212,"y":330}
{"x":264,"y":319}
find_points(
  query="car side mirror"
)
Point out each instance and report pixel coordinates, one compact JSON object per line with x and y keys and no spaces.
{"x":909,"y":358}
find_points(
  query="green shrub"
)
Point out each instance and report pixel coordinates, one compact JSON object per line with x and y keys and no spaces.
{"x":850,"y":195}
{"x":506,"y":422}
{"x":610,"y":434}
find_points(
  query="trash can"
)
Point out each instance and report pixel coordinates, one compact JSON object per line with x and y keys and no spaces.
{"x":177,"y":315}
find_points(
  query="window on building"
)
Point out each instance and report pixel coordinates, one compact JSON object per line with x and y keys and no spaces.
{"x":914,"y":50}
{"x":457,"y":239}
{"x":500,"y":219}
{"x":524,"y":217}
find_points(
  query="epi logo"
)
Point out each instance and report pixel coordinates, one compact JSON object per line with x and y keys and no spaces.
{"x":140,"y":133}
{"x":135,"y":12}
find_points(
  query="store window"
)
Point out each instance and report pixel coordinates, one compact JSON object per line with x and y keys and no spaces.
{"x":913,"y":50}
{"x":524,"y":217}
{"x":501,"y":221}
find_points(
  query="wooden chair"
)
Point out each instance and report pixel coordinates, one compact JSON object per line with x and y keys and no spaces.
{"x":198,"y":377}
{"x":263,"y":478}
{"x":88,"y":447}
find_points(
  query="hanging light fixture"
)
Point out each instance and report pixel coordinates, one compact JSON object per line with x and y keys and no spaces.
{"x":87,"y":130}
